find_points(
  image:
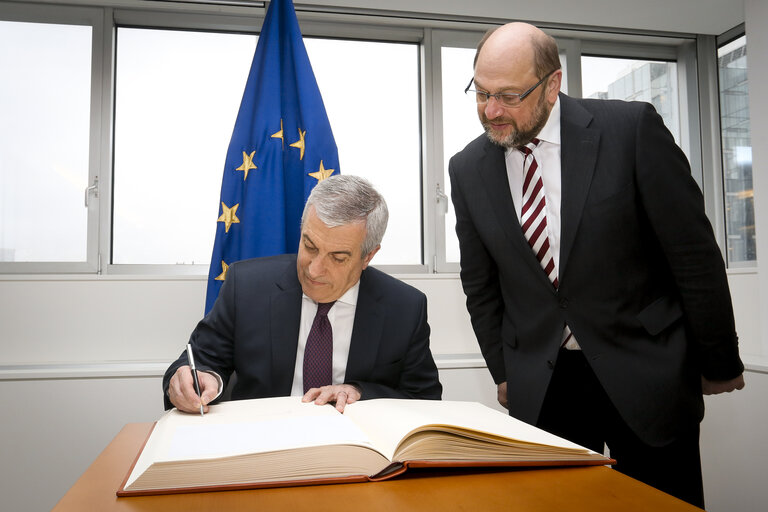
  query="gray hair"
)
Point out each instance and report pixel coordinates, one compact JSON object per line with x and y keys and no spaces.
{"x":347,"y":199}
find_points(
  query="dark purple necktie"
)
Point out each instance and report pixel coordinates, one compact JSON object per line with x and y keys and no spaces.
{"x":318,"y":353}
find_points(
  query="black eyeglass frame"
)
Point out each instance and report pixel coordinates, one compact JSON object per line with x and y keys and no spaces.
{"x":498,"y":95}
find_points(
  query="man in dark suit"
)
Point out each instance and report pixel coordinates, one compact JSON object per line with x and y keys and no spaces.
{"x":262,"y":324}
{"x":605,"y":313}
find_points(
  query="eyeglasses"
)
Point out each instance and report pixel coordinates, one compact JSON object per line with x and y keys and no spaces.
{"x":507,"y":99}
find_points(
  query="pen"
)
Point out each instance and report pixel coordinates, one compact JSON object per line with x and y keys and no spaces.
{"x":192,"y":368}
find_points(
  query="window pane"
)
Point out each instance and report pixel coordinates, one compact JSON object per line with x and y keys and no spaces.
{"x":45,"y":90}
{"x":635,"y":80}
{"x":460,"y":126}
{"x":374,"y":115}
{"x":177,"y":98}
{"x":737,"y":152}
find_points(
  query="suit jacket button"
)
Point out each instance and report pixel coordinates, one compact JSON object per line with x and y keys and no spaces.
{"x":563,"y":303}
{"x":551,"y":364}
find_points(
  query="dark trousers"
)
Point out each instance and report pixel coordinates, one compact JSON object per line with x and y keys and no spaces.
{"x":577,"y":408}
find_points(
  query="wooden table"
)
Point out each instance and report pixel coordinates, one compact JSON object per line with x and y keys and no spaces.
{"x":594,"y":489}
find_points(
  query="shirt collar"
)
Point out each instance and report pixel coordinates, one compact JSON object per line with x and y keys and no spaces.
{"x":551,"y":131}
{"x":349,"y":297}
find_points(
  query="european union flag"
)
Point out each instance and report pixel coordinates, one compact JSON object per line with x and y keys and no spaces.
{"x":281,"y":147}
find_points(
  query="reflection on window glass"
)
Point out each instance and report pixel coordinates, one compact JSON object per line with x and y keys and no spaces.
{"x":45,"y":89}
{"x":177,"y":97}
{"x":634,"y":80}
{"x":737,"y":152}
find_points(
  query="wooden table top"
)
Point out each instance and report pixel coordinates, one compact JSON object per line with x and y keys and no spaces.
{"x":572,"y":489}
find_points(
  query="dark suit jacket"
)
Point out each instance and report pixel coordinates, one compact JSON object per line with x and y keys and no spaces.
{"x":253,"y":329}
{"x":642,"y":281}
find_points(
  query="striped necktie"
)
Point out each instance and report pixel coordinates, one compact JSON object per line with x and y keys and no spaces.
{"x":533,"y":219}
{"x":533,"y":215}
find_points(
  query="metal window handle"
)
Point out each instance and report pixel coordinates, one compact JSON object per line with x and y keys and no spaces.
{"x":92,"y":189}
{"x":442,"y":199}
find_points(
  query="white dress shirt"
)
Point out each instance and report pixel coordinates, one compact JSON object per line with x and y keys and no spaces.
{"x":342,"y":319}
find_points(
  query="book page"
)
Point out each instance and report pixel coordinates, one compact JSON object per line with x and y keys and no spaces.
{"x":246,"y":427}
{"x":388,"y":421}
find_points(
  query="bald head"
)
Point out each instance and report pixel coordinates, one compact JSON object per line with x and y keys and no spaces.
{"x":523,"y":43}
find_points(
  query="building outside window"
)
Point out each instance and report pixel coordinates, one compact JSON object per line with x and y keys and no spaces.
{"x":635,"y":80}
{"x":736,"y":144}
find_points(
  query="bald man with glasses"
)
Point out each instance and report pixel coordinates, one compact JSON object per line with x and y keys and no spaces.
{"x":596,"y":289}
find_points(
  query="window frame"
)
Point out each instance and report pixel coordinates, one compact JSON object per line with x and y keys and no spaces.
{"x":250,"y":23}
{"x":80,"y":16}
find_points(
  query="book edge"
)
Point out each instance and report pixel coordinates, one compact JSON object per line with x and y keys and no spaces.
{"x":121,"y":489}
{"x":244,"y":486}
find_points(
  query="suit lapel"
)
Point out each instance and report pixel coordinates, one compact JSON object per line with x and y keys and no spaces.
{"x":579,"y":146}
{"x":284,"y":321}
{"x":366,"y":331}
{"x":493,"y":170}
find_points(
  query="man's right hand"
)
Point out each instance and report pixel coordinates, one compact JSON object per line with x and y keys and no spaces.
{"x":501,"y":394}
{"x":181,"y":390}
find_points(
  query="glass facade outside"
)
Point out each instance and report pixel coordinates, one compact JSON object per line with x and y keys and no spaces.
{"x":736,"y":143}
{"x":636,"y":80}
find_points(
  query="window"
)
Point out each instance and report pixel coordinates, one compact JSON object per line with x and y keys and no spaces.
{"x":45,"y":98}
{"x":736,"y":144}
{"x":140,"y":121}
{"x":177,"y":97}
{"x":374,"y":115}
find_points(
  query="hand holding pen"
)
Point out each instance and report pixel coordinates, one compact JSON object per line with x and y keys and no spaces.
{"x":195,"y":379}
{"x":189,"y":389}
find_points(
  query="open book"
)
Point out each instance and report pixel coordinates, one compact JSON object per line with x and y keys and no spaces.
{"x":282,"y":441}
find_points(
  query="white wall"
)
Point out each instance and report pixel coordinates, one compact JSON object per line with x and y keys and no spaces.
{"x":80,"y":356}
{"x":734,"y":450}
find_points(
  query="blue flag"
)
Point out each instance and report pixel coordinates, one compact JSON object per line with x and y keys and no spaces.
{"x":281,"y":147}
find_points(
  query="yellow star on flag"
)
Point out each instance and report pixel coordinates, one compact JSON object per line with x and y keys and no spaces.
{"x":279,"y":135}
{"x":247,"y":164}
{"x":223,"y":275}
{"x":322,"y":174}
{"x":228,"y":216}
{"x":300,"y":143}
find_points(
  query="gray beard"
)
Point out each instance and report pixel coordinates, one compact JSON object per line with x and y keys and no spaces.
{"x":519,"y":138}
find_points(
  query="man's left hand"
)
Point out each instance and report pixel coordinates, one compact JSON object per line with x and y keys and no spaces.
{"x":340,"y":394}
{"x":714,"y":387}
